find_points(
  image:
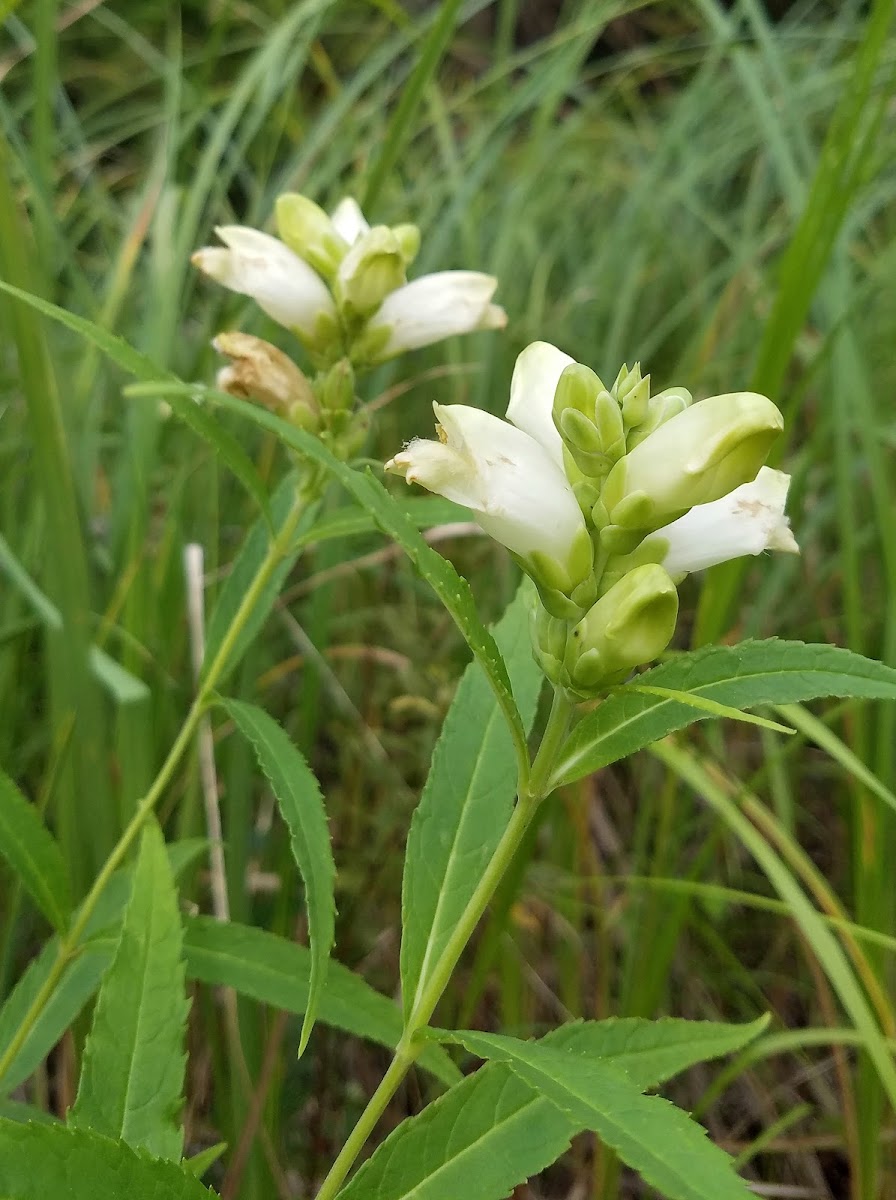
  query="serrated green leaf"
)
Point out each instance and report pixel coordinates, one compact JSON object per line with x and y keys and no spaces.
{"x":389,"y":516}
{"x":466,"y":802}
{"x":650,"y":1052}
{"x":244,"y":569}
{"x":492,"y":1131}
{"x":138,"y":365}
{"x":742,"y":676}
{"x":80,"y":980}
{"x":275,"y":971}
{"x":300,"y":800}
{"x":670,"y":1151}
{"x":200,"y":1163}
{"x":39,"y":1161}
{"x":133,"y":1070}
{"x":15,"y":1110}
{"x":34,"y":855}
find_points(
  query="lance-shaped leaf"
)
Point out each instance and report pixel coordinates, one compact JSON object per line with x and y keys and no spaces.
{"x":492,"y":1131}
{"x":670,"y":1151}
{"x":742,"y":676}
{"x":466,"y":802}
{"x":34,"y":855}
{"x":133,"y":1070}
{"x":302,"y":805}
{"x":40,"y":1161}
{"x":275,"y":971}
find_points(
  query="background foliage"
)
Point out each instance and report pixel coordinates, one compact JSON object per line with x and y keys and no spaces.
{"x":703,"y":186}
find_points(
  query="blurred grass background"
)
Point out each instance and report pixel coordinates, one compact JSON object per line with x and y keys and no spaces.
{"x":706,"y":187}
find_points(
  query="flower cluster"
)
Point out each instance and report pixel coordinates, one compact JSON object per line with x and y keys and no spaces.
{"x":608,"y":497}
{"x":341,"y":286}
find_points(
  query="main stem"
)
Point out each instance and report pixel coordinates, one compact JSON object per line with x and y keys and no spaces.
{"x":411,"y":1045}
{"x":70,"y":943}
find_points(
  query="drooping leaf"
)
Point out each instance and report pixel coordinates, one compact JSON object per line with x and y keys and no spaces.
{"x":742,"y":676}
{"x":80,"y":979}
{"x":492,"y":1131}
{"x":34,"y":855}
{"x":275,"y":971}
{"x":41,"y":1161}
{"x":244,"y":569}
{"x":298,"y":794}
{"x":670,"y":1151}
{"x":466,"y":803}
{"x":125,"y":356}
{"x":390,"y":517}
{"x":133,"y":1070}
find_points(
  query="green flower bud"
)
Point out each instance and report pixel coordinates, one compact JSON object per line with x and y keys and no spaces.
{"x":631,"y":624}
{"x":259,"y":371}
{"x":549,"y":636}
{"x":660,"y":408}
{"x":635,"y":399}
{"x":336,"y":388}
{"x":698,"y":456}
{"x":408,"y":238}
{"x":310,"y":233}
{"x":589,"y":421}
{"x":372,"y":268}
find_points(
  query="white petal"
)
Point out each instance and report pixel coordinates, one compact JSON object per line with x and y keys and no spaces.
{"x":348,"y":220}
{"x":435,"y":307}
{"x":258,"y":265}
{"x":746,"y":521}
{"x":535,"y":378}
{"x":517,"y":493}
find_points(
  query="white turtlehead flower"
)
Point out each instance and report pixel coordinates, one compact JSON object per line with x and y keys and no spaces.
{"x":535,"y":377}
{"x":746,"y":521}
{"x":282,"y":284}
{"x":516,"y":491}
{"x":348,"y":220}
{"x":431,"y":308}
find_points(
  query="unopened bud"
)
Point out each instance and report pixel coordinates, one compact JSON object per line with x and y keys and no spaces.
{"x":696,"y":457}
{"x":336,"y":388}
{"x":408,"y":238}
{"x":259,"y":371}
{"x":372,"y":268}
{"x":310,"y":233}
{"x":631,"y":624}
{"x":660,"y":408}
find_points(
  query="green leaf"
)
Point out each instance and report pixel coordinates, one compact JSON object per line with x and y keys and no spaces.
{"x":134,"y":363}
{"x":80,"y":979}
{"x":40,"y":1161}
{"x":349,"y":521}
{"x":492,"y":1131}
{"x":16,"y":1110}
{"x":34,"y":855}
{"x":669,"y":1150}
{"x":275,"y":971}
{"x":742,"y":676}
{"x":199,"y":1163}
{"x":78,"y":983}
{"x":133,"y":1070}
{"x":466,"y":803}
{"x":451,"y":588}
{"x":245,"y":568}
{"x":302,"y":805}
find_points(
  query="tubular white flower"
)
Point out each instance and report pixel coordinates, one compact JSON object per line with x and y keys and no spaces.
{"x":748,"y":520}
{"x":348,"y":220}
{"x":432,"y":308}
{"x":515,"y":490}
{"x":535,"y":377}
{"x":282,"y":284}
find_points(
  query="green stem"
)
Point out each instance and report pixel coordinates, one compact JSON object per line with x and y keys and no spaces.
{"x":410,"y":1045}
{"x":70,"y":943}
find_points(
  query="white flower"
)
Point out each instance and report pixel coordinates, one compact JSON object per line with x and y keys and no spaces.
{"x":432,"y":308}
{"x":282,"y":284}
{"x":746,"y":521}
{"x":516,"y":491}
{"x":535,"y":377}
{"x":348,"y":220}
